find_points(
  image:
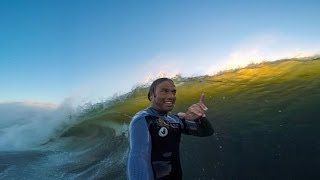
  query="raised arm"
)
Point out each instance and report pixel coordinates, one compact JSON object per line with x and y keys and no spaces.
{"x":139,"y":160}
{"x":195,"y":121}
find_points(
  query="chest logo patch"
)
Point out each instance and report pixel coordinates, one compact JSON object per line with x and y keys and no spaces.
{"x":163,"y":132}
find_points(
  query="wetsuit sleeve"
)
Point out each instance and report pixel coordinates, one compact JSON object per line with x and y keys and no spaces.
{"x":199,"y":127}
{"x":139,"y":159}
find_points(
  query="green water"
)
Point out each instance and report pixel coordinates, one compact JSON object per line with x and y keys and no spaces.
{"x":266,"y":120}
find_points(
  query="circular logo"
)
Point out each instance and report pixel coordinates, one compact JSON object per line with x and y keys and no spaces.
{"x":163,"y":132}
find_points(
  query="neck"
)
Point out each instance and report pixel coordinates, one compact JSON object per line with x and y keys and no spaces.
{"x":155,"y":110}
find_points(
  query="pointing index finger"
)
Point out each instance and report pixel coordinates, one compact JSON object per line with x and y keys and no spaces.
{"x":201,"y":102}
{"x":202,"y":98}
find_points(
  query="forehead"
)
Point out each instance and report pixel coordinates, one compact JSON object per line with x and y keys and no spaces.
{"x":166,"y":85}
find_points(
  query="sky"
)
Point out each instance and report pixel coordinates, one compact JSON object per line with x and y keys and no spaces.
{"x":92,"y":50}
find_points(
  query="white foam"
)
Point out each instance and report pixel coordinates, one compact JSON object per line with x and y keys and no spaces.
{"x":27,"y":125}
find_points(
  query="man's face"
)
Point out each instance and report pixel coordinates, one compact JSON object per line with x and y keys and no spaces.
{"x":164,"y":97}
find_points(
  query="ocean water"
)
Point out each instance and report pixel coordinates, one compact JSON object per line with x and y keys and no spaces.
{"x":266,"y":119}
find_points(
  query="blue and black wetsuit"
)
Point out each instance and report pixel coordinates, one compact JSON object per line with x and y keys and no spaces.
{"x":154,"y":144}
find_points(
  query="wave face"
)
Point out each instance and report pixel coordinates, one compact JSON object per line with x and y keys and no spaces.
{"x":266,"y":120}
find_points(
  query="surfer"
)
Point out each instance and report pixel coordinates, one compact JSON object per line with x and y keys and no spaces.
{"x":154,"y":133}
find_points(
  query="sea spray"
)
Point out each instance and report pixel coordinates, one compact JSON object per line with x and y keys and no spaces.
{"x":24,"y":126}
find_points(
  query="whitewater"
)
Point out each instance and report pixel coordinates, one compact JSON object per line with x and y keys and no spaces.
{"x":36,"y":143}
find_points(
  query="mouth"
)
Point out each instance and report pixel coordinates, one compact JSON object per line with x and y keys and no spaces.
{"x":170,"y":103}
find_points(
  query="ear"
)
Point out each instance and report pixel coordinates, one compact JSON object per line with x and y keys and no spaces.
{"x":152,"y":95}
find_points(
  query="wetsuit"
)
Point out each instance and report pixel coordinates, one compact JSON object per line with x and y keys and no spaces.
{"x":154,"y":144}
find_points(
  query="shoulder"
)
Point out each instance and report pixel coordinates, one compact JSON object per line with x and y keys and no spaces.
{"x":139,"y":118}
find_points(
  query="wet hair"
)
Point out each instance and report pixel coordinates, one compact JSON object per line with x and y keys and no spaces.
{"x":154,"y":85}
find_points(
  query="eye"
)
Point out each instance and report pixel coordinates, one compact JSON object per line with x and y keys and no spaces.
{"x":164,"y":90}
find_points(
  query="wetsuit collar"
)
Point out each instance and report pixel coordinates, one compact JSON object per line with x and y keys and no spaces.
{"x":157,"y":113}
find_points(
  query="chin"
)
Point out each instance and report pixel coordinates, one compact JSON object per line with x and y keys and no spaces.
{"x":168,"y":108}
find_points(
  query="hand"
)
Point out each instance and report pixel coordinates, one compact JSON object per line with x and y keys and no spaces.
{"x":195,"y":111}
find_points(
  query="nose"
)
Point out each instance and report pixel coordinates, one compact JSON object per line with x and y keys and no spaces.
{"x":171,"y":95}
